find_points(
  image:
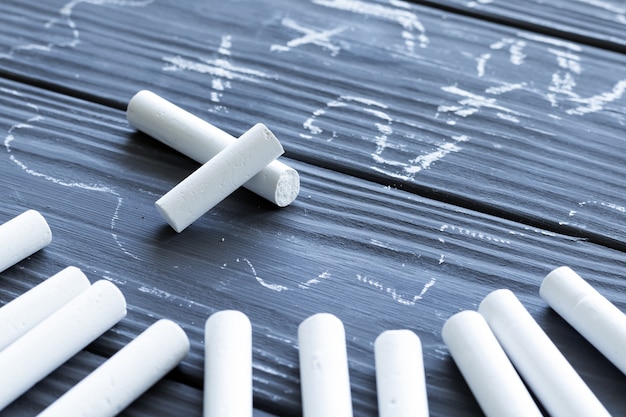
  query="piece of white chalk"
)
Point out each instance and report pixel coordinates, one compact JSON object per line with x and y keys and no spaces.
{"x":400,"y":379}
{"x":201,"y":141}
{"x":324,"y":376}
{"x":56,"y":339}
{"x":228,"y":365}
{"x":29,"y":309}
{"x":550,"y":376}
{"x":589,"y":312}
{"x":219,"y":177}
{"x":126,"y":375}
{"x":490,"y":375}
{"x":22,"y":236}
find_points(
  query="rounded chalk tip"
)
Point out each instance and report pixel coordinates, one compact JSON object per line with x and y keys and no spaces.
{"x":390,"y":338}
{"x":495,"y":300}
{"x":113,"y":293}
{"x":464,"y":320}
{"x":39,"y":223}
{"x":164,"y":211}
{"x":230,"y":318}
{"x":288,"y":187}
{"x":174,"y":334}
{"x":560,"y":279}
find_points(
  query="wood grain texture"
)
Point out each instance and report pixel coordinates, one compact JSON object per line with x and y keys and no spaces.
{"x":441,"y":157}
{"x":497,"y":119}
{"x":599,"y":23}
{"x":377,"y":257}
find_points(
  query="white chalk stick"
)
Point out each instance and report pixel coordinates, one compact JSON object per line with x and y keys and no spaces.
{"x":490,"y":375}
{"x":126,"y":375}
{"x":201,"y":141}
{"x":22,"y":236}
{"x":400,"y":379}
{"x":550,"y":376}
{"x":589,"y":312}
{"x":219,"y":177}
{"x":29,"y":309}
{"x":56,"y":339}
{"x":228,"y":365}
{"x":324,"y":376}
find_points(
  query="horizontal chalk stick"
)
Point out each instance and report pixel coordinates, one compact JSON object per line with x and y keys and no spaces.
{"x":324,"y":376}
{"x":554,"y":381}
{"x":219,"y":177}
{"x":22,"y":236}
{"x":59,"y":337}
{"x":487,"y":370}
{"x":228,"y":365}
{"x":589,"y":312}
{"x":400,"y":379}
{"x":201,"y":141}
{"x":126,"y":375}
{"x":29,"y":309}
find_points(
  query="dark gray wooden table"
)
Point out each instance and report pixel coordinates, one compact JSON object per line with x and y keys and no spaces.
{"x":446,"y":149}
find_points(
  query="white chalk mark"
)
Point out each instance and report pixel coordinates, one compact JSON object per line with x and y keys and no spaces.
{"x":597,"y":102}
{"x":399,"y":298}
{"x":473,"y":234}
{"x":8,"y":145}
{"x":616,"y":207}
{"x":425,"y":161}
{"x":221,"y":68}
{"x":65,"y":18}
{"x":515,"y":48}
{"x":273,"y":287}
{"x":481,"y":62}
{"x":504,"y":88}
{"x":311,"y":36}
{"x":409,"y":21}
{"x":550,"y":41}
{"x":314,"y":281}
{"x":567,"y":60}
{"x":470,"y":103}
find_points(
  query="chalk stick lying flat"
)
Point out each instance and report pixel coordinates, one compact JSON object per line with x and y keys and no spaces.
{"x":201,"y":141}
{"x":219,"y":177}
{"x":324,"y":376}
{"x":490,"y":375}
{"x":22,"y":236}
{"x":540,"y":363}
{"x":228,"y":365}
{"x":56,"y":339}
{"x":29,"y":309}
{"x":400,"y":379}
{"x":126,"y":375}
{"x":589,"y":312}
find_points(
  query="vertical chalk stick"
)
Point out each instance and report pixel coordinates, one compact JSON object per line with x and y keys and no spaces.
{"x":228,"y":365}
{"x":400,"y":379}
{"x":542,"y":366}
{"x":490,"y":375}
{"x":126,"y":375}
{"x":56,"y":339}
{"x":589,"y":312}
{"x":29,"y":309}
{"x":324,"y":376}
{"x":22,"y":236}
{"x":201,"y":141}
{"x":219,"y":177}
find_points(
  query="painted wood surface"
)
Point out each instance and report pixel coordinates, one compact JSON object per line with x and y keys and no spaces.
{"x":595,"y":22}
{"x":441,"y":156}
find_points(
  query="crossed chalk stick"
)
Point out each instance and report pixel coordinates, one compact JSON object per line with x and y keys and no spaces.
{"x":228,"y":163}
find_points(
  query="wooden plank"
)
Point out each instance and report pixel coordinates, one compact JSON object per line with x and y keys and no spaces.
{"x":497,"y":119}
{"x":599,"y":23}
{"x":377,"y":257}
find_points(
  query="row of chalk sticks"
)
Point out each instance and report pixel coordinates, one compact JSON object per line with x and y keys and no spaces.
{"x":499,"y":349}
{"x":228,"y":163}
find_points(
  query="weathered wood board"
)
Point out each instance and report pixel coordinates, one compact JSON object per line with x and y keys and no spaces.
{"x":600,"y":23}
{"x":441,"y":157}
